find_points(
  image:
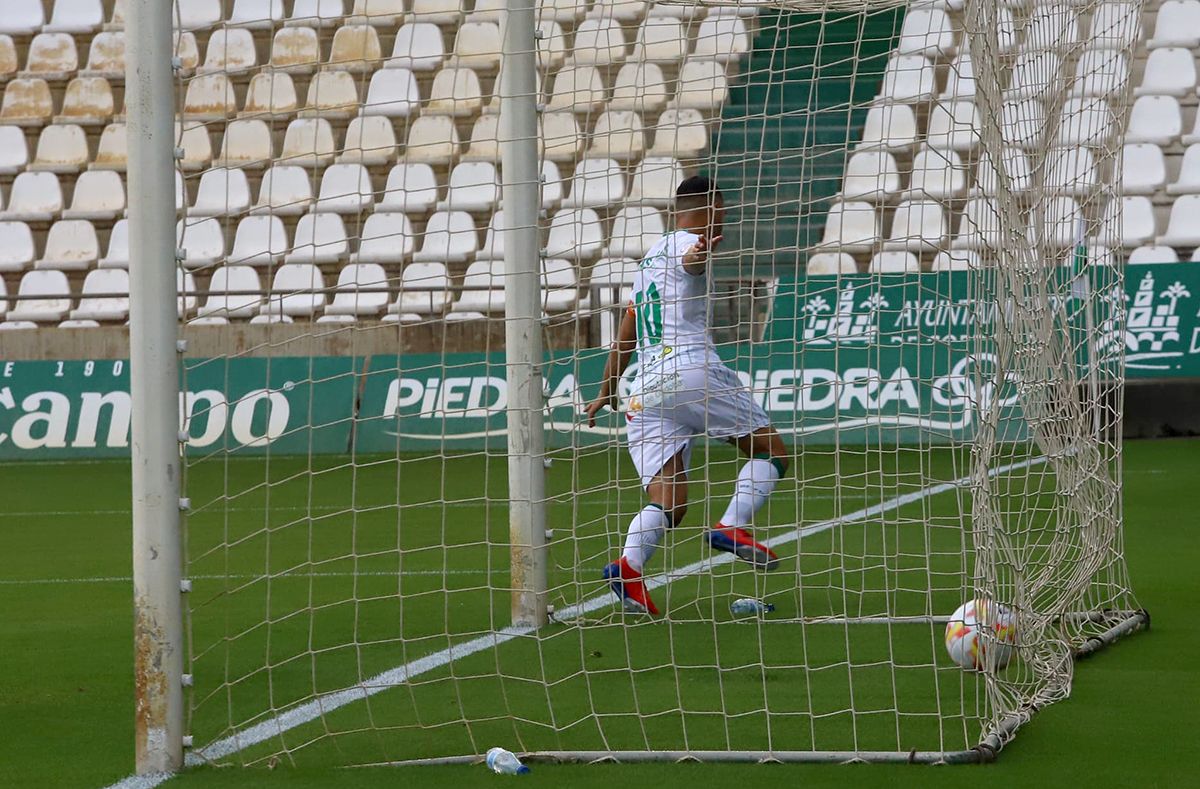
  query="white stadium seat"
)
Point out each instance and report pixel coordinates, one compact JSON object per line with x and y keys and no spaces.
{"x":1116,"y":25}
{"x":870,"y":175}
{"x":597,"y":183}
{"x":52,"y":56}
{"x":640,"y":87}
{"x":1155,"y":119}
{"x":477,"y":45}
{"x":599,"y":42}
{"x":386,"y":238}
{"x":320,"y":238}
{"x":229,"y":51}
{"x":722,"y":38}
{"x":442,"y":12}
{"x":493,"y":238}
{"x":362,"y":289}
{"x":355,"y":49}
{"x":418,"y":47}
{"x":1015,"y":166}
{"x":308,"y":142}
{"x":118,"y":247}
{"x":16,"y":246}
{"x":483,"y":290}
{"x":411,"y":187}
{"x":296,"y":50}
{"x":87,"y":101}
{"x":937,"y":174}
{"x":222,"y":192}
{"x":908,"y":79}
{"x":578,"y":89}
{"x":317,"y":13}
{"x":247,"y":143}
{"x":1101,"y":72}
{"x":105,"y":296}
{"x":1152,"y":254}
{"x":61,"y":148}
{"x":285,"y":190}
{"x":619,"y":135}
{"x":660,"y":40}
{"x":1021,"y":122}
{"x":702,"y":86}
{"x":392,"y":92}
{"x":1188,"y":181}
{"x":575,"y":234}
{"x":14,"y":152}
{"x":272,"y":93}
{"x":681,"y":134}
{"x":611,"y":281}
{"x":560,"y":285}
{"x":960,"y":79}
{"x":34,"y":197}
{"x":256,"y":14}
{"x":1061,"y":222}
{"x":370,"y":141}
{"x":331,"y":94}
{"x":432,"y":139}
{"x":1085,"y":122}
{"x":297,"y":291}
{"x":1168,"y":72}
{"x":1071,"y":171}
{"x":654,"y":181}
{"x":1051,"y":27}
{"x":978,"y":225}
{"x":473,"y":187}
{"x":1144,"y":170}
{"x":1033,"y":75}
{"x":75,"y":16}
{"x":424,"y":290}
{"x":259,"y":241}
{"x":894,"y":262}
{"x":927,"y":32}
{"x":450,"y":237}
{"x":202,"y":240}
{"x":956,"y":260}
{"x":71,"y":245}
{"x":824,"y":264}
{"x":45,"y":297}
{"x":954,"y":126}
{"x":917,"y":226}
{"x":635,"y":230}
{"x":892,"y":127}
{"x":1177,"y":25}
{"x":850,"y":226}
{"x":345,"y":189}
{"x":106,"y":56}
{"x":385,"y":13}
{"x":233,"y":292}
{"x":1134,"y":216}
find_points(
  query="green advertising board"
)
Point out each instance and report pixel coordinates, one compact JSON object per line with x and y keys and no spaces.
{"x":849,"y":359}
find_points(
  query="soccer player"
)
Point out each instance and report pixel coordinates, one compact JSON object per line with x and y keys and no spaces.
{"x":683,"y":391}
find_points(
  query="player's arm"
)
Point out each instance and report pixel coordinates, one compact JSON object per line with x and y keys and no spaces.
{"x":695,"y":260}
{"x":618,"y":359}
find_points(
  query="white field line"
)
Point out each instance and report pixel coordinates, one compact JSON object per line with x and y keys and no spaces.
{"x":328,"y":702}
{"x":126,"y":579}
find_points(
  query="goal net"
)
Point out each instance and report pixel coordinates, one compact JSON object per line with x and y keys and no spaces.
{"x":398,"y":515}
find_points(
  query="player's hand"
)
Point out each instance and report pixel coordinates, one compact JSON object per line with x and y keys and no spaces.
{"x":594,"y":407}
{"x":698,"y":254}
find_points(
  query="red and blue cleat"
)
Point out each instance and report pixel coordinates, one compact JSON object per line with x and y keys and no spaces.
{"x":737,"y":541}
{"x":629,"y":588}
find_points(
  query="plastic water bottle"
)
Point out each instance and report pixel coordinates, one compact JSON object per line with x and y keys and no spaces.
{"x":748,"y":606}
{"x":504,"y":762}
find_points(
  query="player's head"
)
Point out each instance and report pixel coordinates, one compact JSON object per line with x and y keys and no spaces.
{"x":699,"y":206}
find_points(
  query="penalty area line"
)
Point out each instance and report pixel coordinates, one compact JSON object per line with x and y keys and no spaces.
{"x":394,"y":677}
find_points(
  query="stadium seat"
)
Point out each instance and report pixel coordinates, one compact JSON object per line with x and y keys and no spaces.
{"x":44,"y":297}
{"x":355,"y":49}
{"x":27,"y":102}
{"x":361,"y":290}
{"x":22,"y":17}
{"x":295,"y":50}
{"x":450,"y":237}
{"x":317,"y":13}
{"x":640,"y":87}
{"x":960,"y":79}
{"x":112,"y":152}
{"x":104,"y":297}
{"x":456,"y":92}
{"x":222,"y":192}
{"x":1085,"y":122}
{"x":722,"y":38}
{"x":202,"y":240}
{"x":61,"y":148}
{"x":71,"y":245}
{"x":1188,"y":181}
{"x":386,"y":238}
{"x":611,"y":281}
{"x":1144,"y":170}
{"x":598,"y":42}
{"x":487,"y":11}
{"x":561,"y":136}
{"x":482,"y":290}
{"x":850,"y":226}
{"x":332,"y":95}
{"x":393,"y":93}
{"x":917,"y":226}
{"x":936,"y":174}
{"x":210,"y":97}
{"x":1101,"y":72}
{"x":1061,"y":222}
{"x":560,"y":285}
{"x":1016,"y":166}
{"x":193,"y":139}
{"x":894,"y":262}
{"x":908,"y":79}
{"x":635,"y":230}
{"x":1177,"y":25}
{"x":493,"y":239}
{"x":954,"y":126}
{"x":285,"y":190}
{"x":477,"y":46}
{"x":440,"y":12}
{"x":197,"y":14}
{"x":1152,"y":254}
{"x":1021,"y":123}
{"x":229,"y":51}
{"x":424,"y":290}
{"x":271,"y":93}
{"x":473,"y":187}
{"x":1070,"y":171}
{"x":34,"y":197}
{"x":892,"y":127}
{"x":625,"y":11}
{"x":118,"y":247}
{"x":597,"y":183}
{"x":1168,"y":72}
{"x":956,"y":260}
{"x":578,"y":89}
{"x":1128,"y":222}
{"x":485,"y":140}
{"x":1155,"y":119}
{"x":52,"y":57}
{"x":492,"y":106}
{"x":575,"y":234}
{"x":16,"y":246}
{"x":432,"y":139}
{"x":370,"y":141}
{"x":660,"y":40}
{"x":384,"y":13}
{"x":654,"y":181}
{"x":1050,"y":27}
{"x":9,"y":62}
{"x":308,"y":142}
{"x":297,"y":290}
{"x":1116,"y":25}
{"x":681,"y":134}
{"x":87,"y":101}
{"x":256,"y":14}
{"x":259,"y":241}
{"x":345,"y":189}
{"x":418,"y":47}
{"x":978,"y":225}
{"x":14,"y":152}
{"x":411,"y":188}
{"x":702,"y":86}
{"x":320,"y":239}
{"x":870,"y":175}
{"x":99,"y":196}
{"x":565,"y":12}
{"x":1033,"y":75}
{"x":927,"y":32}
{"x":830,"y":263}
{"x":552,"y":186}
{"x":233,"y":292}
{"x":551,"y":45}
{"x":247,"y":144}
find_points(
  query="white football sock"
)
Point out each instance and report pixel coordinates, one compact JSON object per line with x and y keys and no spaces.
{"x":755,"y":482}
{"x":645,"y":533}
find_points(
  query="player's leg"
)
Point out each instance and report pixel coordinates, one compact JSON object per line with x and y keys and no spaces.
{"x":756,"y":481}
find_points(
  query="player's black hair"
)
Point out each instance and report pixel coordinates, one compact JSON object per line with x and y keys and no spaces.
{"x":696,"y":191}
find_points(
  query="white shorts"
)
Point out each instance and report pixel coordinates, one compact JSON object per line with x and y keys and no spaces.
{"x":672,"y":407}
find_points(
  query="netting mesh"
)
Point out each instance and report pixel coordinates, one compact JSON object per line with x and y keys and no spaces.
{"x":915,"y":284}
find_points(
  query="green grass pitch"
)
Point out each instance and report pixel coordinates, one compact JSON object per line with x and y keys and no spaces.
{"x":364,"y":585}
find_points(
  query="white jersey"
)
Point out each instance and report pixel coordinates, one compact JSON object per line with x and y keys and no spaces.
{"x":669,"y":304}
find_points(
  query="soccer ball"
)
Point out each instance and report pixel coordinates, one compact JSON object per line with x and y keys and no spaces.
{"x":966,"y":642}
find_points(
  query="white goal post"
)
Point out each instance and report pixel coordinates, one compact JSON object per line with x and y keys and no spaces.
{"x":370,"y":515}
